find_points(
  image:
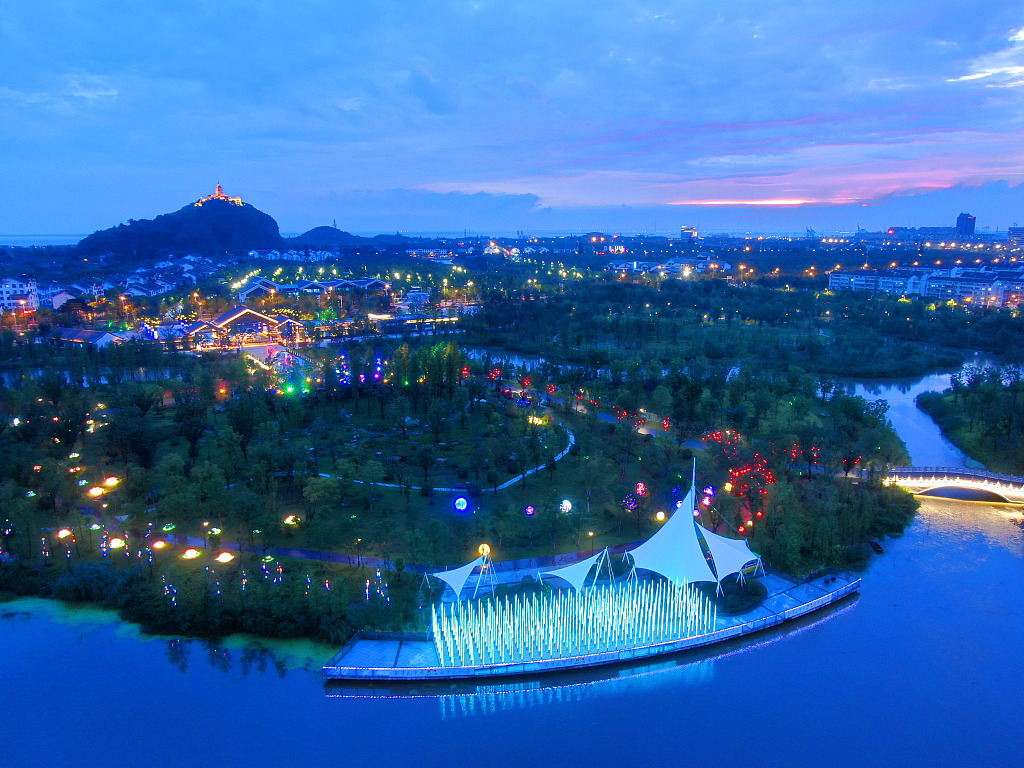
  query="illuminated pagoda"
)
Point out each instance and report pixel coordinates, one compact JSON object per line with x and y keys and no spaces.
{"x":218,"y":194}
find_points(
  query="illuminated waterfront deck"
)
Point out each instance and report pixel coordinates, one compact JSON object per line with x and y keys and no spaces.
{"x":413,"y":656}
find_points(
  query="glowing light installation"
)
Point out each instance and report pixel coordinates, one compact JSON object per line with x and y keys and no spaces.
{"x":566,"y":624}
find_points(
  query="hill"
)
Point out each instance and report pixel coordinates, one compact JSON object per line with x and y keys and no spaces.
{"x":329,"y":238}
{"x":218,"y":226}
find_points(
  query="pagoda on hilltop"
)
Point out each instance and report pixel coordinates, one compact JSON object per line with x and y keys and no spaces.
{"x":218,"y":194}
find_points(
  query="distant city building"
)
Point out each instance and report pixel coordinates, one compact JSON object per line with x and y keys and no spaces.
{"x":1015,"y":235}
{"x":688,"y":233}
{"x":964,"y":226}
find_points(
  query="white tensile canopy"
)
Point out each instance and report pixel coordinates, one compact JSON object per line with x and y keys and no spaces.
{"x":674,"y":551}
{"x":576,"y":574}
{"x":730,"y":555}
{"x":456,"y":577}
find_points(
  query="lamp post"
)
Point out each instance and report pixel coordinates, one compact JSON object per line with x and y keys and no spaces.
{"x":359,"y":559}
{"x":591,"y":535}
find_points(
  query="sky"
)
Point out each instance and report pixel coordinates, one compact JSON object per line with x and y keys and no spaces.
{"x":492,"y":117}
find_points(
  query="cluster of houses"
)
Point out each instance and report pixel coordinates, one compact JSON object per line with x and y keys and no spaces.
{"x":969,"y":285}
{"x":26,"y":293}
{"x":700,"y":263}
{"x":262,"y":287}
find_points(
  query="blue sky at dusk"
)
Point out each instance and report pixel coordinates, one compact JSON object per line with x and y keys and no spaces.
{"x":499,"y":116}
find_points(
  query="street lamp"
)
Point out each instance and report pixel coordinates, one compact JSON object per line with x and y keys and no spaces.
{"x":591,"y":535}
{"x":359,"y":560}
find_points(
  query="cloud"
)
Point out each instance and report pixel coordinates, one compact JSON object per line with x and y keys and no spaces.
{"x":1003,"y":68}
{"x":564,"y":107}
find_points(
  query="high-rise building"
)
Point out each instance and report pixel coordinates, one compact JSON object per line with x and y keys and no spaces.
{"x":964,"y":226}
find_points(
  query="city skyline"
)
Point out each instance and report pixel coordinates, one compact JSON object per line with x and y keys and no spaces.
{"x":496,"y":118}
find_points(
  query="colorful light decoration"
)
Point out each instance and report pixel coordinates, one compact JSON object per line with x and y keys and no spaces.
{"x":63,"y":533}
{"x":117,"y":543}
{"x":461,"y":504}
{"x":97,"y":491}
{"x":292,"y":520}
{"x":569,"y":623}
{"x":709,"y":490}
{"x":641,"y":489}
{"x":190,"y":553}
{"x":158,"y":544}
{"x":565,"y":506}
{"x":168,"y":527}
{"x":111,"y":481}
{"x":224,"y":557}
{"x":530,"y":510}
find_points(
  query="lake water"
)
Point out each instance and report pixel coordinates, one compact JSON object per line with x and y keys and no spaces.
{"x":924,"y":667}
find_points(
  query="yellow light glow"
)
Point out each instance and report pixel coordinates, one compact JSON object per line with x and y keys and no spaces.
{"x":158,"y":544}
{"x":97,"y":491}
{"x":111,"y":481}
{"x":63,"y":533}
{"x":190,"y":554}
{"x":484,"y":549}
{"x":224,"y":557}
{"x":660,"y":517}
{"x":291,"y":520}
{"x":116,"y":543}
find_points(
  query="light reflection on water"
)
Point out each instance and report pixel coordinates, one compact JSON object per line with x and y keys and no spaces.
{"x":924,"y":668}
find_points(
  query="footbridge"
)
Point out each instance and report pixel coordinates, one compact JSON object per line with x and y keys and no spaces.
{"x":945,"y":481}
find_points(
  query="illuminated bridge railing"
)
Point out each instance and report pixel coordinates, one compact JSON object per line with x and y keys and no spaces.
{"x":957,"y":473}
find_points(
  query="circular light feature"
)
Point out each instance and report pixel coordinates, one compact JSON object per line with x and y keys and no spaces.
{"x":158,"y":544}
{"x":565,"y":506}
{"x":660,"y":517}
{"x":484,"y":549}
{"x":461,"y":504}
{"x":190,"y":553}
{"x":530,"y":510}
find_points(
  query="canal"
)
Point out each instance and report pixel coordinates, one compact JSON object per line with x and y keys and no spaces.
{"x":923,"y":668}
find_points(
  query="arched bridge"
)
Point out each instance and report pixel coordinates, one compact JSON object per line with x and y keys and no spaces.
{"x":932,"y":481}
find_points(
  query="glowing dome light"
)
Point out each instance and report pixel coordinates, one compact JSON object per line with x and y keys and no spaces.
{"x":168,"y":527}
{"x":215,"y":531}
{"x":660,"y":517}
{"x":461,"y":504}
{"x":158,"y":544}
{"x":224,"y":557}
{"x":484,"y":549}
{"x":292,"y":520}
{"x":190,"y":554}
{"x":116,"y":543}
{"x":111,"y":481}
{"x":95,"y":527}
{"x":97,"y":491}
{"x":565,"y":506}
{"x":63,"y":533}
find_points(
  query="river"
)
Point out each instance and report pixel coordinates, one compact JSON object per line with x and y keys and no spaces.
{"x":924,"y":667}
